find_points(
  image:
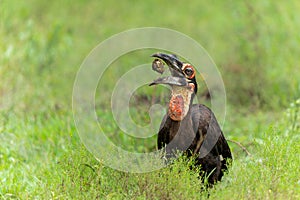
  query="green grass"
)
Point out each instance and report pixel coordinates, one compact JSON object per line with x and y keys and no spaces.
{"x":41,"y":157}
{"x":42,"y":46}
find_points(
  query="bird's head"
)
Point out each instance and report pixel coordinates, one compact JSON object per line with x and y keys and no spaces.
{"x":183,"y":83}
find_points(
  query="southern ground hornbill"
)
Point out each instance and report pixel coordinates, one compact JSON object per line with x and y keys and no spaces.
{"x":191,"y":128}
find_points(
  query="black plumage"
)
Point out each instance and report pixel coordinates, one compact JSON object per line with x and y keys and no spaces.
{"x":198,"y":126}
{"x":191,"y":128}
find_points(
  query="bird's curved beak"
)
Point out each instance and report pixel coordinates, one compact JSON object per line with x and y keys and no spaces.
{"x":172,"y":61}
{"x":175,"y":66}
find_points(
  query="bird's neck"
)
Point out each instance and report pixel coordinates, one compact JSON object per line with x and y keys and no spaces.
{"x":179,"y":106}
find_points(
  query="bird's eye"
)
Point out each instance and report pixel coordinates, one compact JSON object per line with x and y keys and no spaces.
{"x":189,"y":71}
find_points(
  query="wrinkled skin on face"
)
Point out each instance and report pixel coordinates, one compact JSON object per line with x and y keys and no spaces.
{"x":180,"y":102}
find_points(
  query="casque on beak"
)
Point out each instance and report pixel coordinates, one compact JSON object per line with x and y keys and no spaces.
{"x":177,"y":77}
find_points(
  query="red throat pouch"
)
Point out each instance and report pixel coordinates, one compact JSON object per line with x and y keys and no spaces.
{"x":176,"y":108}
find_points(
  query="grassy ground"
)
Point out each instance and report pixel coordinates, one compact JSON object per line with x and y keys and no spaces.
{"x":43,"y":44}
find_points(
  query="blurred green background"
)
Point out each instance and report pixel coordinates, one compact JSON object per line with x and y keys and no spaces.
{"x":255,"y":45}
{"x":43,"y":43}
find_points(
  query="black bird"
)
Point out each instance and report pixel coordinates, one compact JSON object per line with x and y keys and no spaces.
{"x":191,"y":128}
